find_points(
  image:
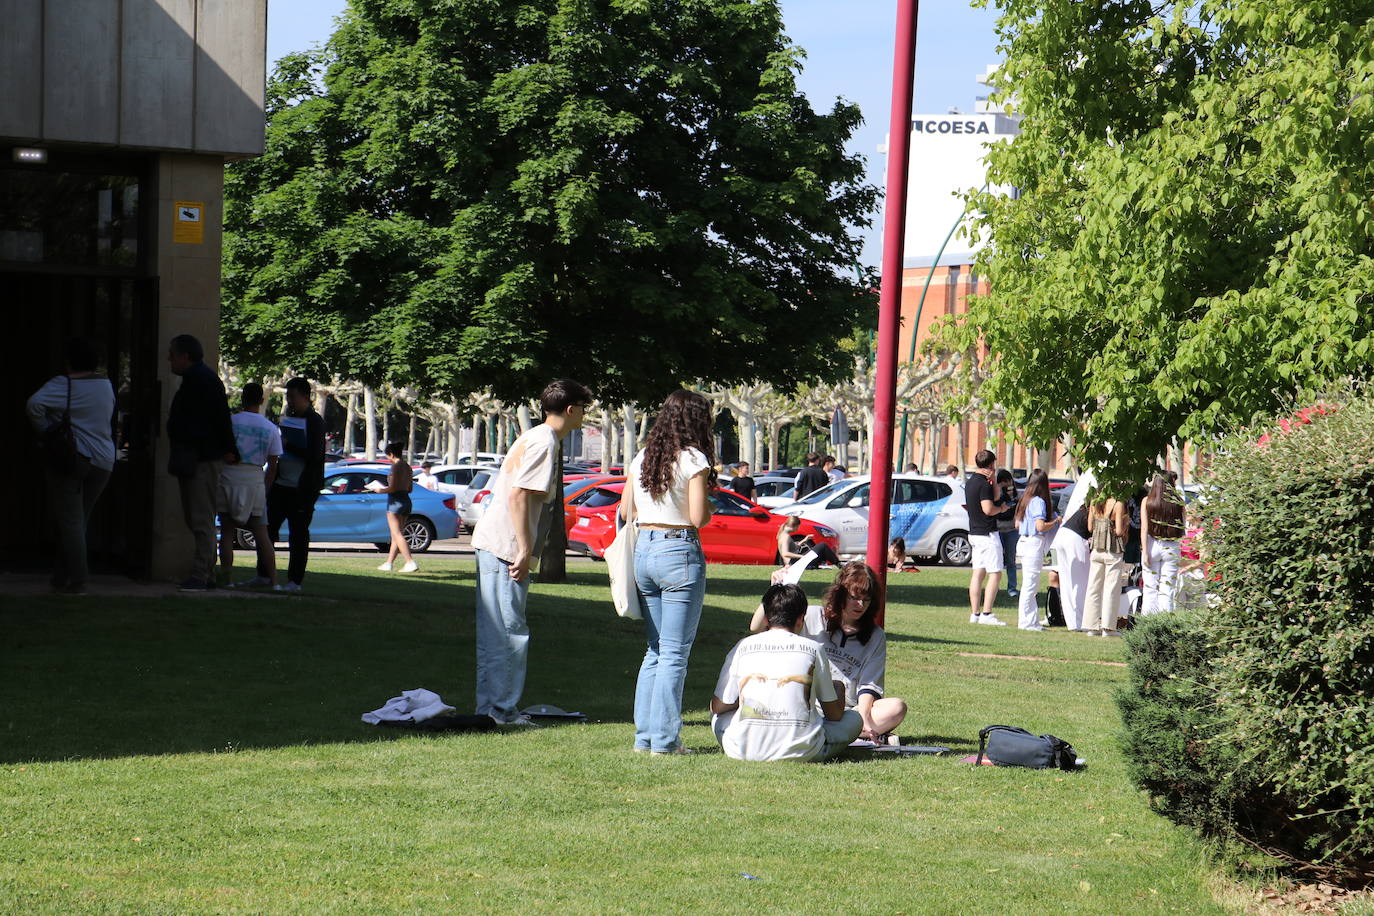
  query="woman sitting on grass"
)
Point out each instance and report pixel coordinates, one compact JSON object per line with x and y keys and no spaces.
{"x":897,"y":558}
{"x":855,"y":645}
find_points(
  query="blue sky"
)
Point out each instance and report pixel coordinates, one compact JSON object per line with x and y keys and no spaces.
{"x":849,"y":54}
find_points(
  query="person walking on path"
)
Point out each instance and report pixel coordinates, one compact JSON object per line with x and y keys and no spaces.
{"x":983,"y":499}
{"x":243,"y":488}
{"x":508,"y":540}
{"x":399,"y":482}
{"x":1035,"y":527}
{"x":74,"y":480}
{"x":1108,"y":521}
{"x":1162,"y":526}
{"x":300,"y":474}
{"x":201,"y":440}
{"x":811,"y":477}
{"x":668,"y":495}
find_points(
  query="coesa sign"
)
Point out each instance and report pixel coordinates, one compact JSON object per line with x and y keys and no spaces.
{"x":949,"y":126}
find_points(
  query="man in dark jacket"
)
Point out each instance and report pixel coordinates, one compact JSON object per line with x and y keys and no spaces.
{"x":201,"y":440}
{"x":300,"y":474}
{"x":811,"y":478}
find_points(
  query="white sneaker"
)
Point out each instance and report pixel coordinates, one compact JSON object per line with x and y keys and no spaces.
{"x":972,"y":618}
{"x":385,"y":567}
{"x":1035,"y":629}
{"x":990,"y":620}
{"x":1110,"y":633}
{"x":291,"y":588}
{"x":255,"y":582}
{"x":412,"y":566}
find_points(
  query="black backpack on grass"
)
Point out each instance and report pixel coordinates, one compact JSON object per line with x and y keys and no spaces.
{"x":1008,"y":746}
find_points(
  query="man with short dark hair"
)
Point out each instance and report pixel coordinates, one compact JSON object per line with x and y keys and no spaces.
{"x":764,"y":707}
{"x":300,"y":474}
{"x":508,"y":539}
{"x":426,"y":477}
{"x":201,"y":441}
{"x":832,"y":471}
{"x":811,"y":478}
{"x":742,"y":483}
{"x":952,"y":472}
{"x":983,"y":499}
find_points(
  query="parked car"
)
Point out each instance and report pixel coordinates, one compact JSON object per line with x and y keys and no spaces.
{"x":347,"y":511}
{"x":454,"y":478}
{"x":927,"y":512}
{"x":774,"y":492}
{"x":739,"y":532}
{"x":467,"y":497}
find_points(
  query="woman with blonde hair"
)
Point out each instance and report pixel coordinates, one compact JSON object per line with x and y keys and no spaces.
{"x":668,"y":495}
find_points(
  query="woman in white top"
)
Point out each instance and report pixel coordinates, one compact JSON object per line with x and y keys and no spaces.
{"x":1162,"y":525}
{"x":669,"y":497}
{"x":1035,"y":524}
{"x":88,"y":401}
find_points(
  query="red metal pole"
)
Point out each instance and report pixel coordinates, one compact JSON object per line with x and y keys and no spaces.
{"x":890,"y":295}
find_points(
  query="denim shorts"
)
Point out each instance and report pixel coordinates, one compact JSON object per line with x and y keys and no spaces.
{"x":398,"y":503}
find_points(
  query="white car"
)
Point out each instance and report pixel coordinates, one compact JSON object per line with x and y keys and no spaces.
{"x":775,"y":492}
{"x":470,"y":498}
{"x":927,"y":513}
{"x":454,"y":478}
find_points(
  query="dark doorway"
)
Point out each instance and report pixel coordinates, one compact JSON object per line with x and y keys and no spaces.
{"x":74,"y":255}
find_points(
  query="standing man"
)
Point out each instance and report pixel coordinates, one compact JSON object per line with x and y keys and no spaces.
{"x":952,"y":472}
{"x":832,"y":472}
{"x":742,"y":483}
{"x":426,"y":477}
{"x":243,"y":488}
{"x":983,"y":497}
{"x":201,"y":441}
{"x":508,"y":538}
{"x":300,"y":474}
{"x":811,"y":478}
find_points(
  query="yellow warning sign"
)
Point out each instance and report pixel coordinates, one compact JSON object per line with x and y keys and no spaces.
{"x":189,"y":226}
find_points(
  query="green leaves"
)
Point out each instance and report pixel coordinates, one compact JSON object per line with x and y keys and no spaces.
{"x":468,"y":195}
{"x":1193,"y":213}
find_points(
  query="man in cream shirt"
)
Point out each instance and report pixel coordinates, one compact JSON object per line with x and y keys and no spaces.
{"x":508,"y":539}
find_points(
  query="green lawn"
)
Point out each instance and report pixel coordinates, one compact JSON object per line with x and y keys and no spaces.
{"x":200,"y":755}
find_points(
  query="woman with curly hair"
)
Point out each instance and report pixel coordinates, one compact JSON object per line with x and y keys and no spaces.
{"x":845,"y":626}
{"x":668,"y":495}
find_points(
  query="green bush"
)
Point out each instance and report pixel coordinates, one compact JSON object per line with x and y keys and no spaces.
{"x":1270,"y":688}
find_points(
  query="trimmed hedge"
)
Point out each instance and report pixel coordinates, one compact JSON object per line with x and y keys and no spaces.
{"x":1254,"y":717}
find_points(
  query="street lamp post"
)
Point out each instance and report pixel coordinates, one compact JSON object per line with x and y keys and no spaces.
{"x":890,"y":292}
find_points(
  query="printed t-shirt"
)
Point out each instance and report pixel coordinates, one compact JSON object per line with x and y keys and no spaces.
{"x":860,"y":667}
{"x":776,"y":677}
{"x":256,"y":436}
{"x":531,"y":464}
{"x":672,"y":508}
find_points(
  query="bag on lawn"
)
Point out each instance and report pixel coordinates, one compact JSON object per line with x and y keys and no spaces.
{"x":1008,"y":746}
{"x":1054,"y":607}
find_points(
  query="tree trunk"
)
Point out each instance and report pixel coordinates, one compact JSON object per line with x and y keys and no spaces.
{"x":350,"y":418}
{"x":963,"y":466}
{"x":370,"y":421}
{"x":386,"y":425}
{"x":410,"y":441}
{"x":774,"y":435}
{"x":522,"y":414}
{"x":631,"y":430}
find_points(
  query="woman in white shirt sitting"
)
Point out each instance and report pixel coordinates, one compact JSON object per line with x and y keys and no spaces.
{"x":669,"y":498}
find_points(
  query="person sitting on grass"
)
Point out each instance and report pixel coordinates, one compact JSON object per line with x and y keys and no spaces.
{"x":897,"y":558}
{"x":764,"y":707}
{"x":855,"y":646}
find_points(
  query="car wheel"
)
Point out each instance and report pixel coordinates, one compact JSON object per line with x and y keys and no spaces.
{"x":244,"y":540}
{"x":419,"y":534}
{"x":955,"y":549}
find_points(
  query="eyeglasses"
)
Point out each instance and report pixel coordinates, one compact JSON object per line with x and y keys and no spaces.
{"x":857,"y":599}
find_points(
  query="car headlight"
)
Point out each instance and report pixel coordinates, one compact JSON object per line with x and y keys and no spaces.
{"x":825,"y":532}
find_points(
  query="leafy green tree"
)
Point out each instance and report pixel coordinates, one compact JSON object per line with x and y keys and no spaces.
{"x":461,"y":195}
{"x":1191,"y":242}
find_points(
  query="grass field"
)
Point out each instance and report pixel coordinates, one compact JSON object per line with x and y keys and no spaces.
{"x":189,"y":755}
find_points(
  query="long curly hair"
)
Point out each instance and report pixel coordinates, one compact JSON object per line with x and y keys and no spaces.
{"x":683,"y":422}
{"x":855,"y":577}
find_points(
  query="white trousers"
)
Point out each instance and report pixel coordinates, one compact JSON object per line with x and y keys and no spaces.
{"x":1071,"y":557}
{"x":1161,"y":577}
{"x":1030,"y":554}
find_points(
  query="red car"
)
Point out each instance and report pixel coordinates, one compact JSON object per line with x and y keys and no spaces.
{"x":739,"y":532}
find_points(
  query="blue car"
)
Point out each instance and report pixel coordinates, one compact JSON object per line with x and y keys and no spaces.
{"x":347,"y":511}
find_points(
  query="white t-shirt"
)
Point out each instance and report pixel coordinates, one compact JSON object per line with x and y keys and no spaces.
{"x":531,"y":464}
{"x":672,"y":508}
{"x":257,"y":437}
{"x":92,"y":410}
{"x":427,"y":480}
{"x":856,"y":665}
{"x":776,"y":677}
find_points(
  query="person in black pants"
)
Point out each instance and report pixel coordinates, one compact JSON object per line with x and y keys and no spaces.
{"x":300,"y":474}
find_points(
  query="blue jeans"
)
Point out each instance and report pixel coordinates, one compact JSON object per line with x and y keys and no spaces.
{"x":671,"y":574}
{"x":1009,"y":539}
{"x":502,"y":638}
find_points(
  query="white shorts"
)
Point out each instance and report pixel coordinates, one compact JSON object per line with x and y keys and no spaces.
{"x":242,"y":494}
{"x":987,"y":552}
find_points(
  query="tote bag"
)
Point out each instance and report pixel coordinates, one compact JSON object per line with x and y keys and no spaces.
{"x":620,"y":564}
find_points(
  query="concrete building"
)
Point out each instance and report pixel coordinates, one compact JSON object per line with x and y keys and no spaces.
{"x":117,"y":120}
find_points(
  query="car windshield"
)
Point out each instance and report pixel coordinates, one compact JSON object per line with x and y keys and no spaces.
{"x":824,"y":493}
{"x":479,"y":480}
